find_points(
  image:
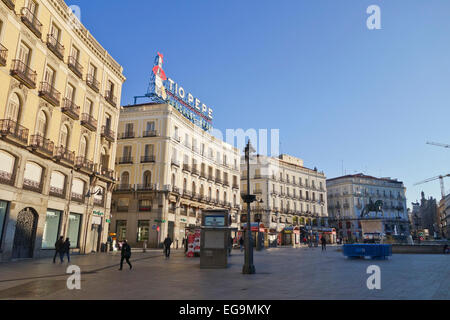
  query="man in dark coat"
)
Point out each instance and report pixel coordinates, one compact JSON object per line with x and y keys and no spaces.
{"x":65,"y":250}
{"x":324,"y":243}
{"x":125,"y":254}
{"x":167,"y":244}
{"x":58,"y":247}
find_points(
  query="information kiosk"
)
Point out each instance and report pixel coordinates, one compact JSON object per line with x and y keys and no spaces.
{"x":215,"y":239}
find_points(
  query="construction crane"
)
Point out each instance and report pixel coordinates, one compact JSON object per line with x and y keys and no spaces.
{"x":439,"y":144}
{"x":441,"y":178}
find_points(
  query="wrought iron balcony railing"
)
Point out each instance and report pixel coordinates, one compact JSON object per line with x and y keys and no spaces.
{"x":88,"y":121}
{"x":3,"y":55}
{"x":31,"y":185}
{"x":41,"y":144}
{"x":77,"y":197}
{"x":57,"y":192}
{"x":75,"y":66}
{"x":126,"y":135}
{"x":109,"y":96}
{"x":175,"y":162}
{"x":30,"y":20}
{"x":71,"y":109}
{"x":147,"y":158}
{"x":93,"y":83}
{"x":149,"y":133}
{"x":10,"y":4}
{"x":24,"y":74}
{"x":145,"y":187}
{"x":6,"y":178}
{"x":55,"y":47}
{"x":49,"y":93}
{"x":126,"y":160}
{"x":107,"y":173}
{"x":123,"y":187}
{"x":108,"y":134}
{"x":11,"y":130}
{"x":83,"y":163}
{"x":64,"y":154}
{"x":187,"y":167}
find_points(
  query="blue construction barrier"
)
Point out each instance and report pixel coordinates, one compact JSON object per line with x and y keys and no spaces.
{"x":374,"y":251}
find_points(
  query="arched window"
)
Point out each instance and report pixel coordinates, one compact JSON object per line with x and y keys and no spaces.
{"x":41,"y":125}
{"x":193,"y":188}
{"x":184,"y":184}
{"x":13,"y":110}
{"x":147,"y":180}
{"x":125,"y":179}
{"x":83,"y":147}
{"x":7,"y":164}
{"x":104,"y":158}
{"x":217,"y":195}
{"x":225,"y":197}
{"x":64,"y":136}
{"x":209,"y":193}
{"x":202,"y":191}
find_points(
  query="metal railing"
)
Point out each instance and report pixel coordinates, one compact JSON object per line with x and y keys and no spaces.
{"x":10,"y":128}
{"x":107,"y":133}
{"x":126,"y":135}
{"x":149,"y":133}
{"x":30,"y":20}
{"x":83,"y":163}
{"x":23,"y":73}
{"x":32,"y":185}
{"x":88,"y":121}
{"x":57,"y":192}
{"x":3,"y":55}
{"x":71,"y":109}
{"x":38,"y":142}
{"x":62,"y":153}
{"x":55,"y":47}
{"x":6,"y":178}
{"x":147,"y":158}
{"x":49,"y":93}
{"x":126,"y":160}
{"x":107,"y":173}
{"x":92,"y":82}
{"x":109,"y":96}
{"x":10,"y":4}
{"x":75,"y":66}
{"x":77,"y":197}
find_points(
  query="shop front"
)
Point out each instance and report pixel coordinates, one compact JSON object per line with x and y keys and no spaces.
{"x":287,"y":236}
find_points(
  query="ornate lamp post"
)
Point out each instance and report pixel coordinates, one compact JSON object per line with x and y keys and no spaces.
{"x":248,"y":268}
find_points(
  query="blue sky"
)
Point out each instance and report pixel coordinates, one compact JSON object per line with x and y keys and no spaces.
{"x":338,"y":92}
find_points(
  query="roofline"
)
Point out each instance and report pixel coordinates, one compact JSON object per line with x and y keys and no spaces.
{"x":361,"y":175}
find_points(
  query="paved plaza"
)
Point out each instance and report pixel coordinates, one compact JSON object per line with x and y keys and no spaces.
{"x":282,"y":274}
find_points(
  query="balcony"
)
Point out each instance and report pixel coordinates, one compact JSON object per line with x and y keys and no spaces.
{"x":187,"y":193}
{"x":126,"y":160}
{"x":3,"y":55}
{"x":226,"y":183}
{"x":126,"y":135}
{"x":108,"y":134}
{"x":187,"y":167}
{"x":55,"y":47}
{"x":64,"y":155}
{"x":123,"y":188}
{"x":30,"y":20}
{"x":210,"y":177}
{"x":24,"y":74}
{"x":218,"y":181}
{"x":13,"y":132}
{"x":77,"y":197}
{"x":10,"y":4}
{"x":145,"y":187}
{"x":41,"y":145}
{"x":109,"y":96}
{"x":49,"y":94}
{"x":6,"y":178}
{"x":71,"y":109}
{"x":176,"y":190}
{"x":32,"y":185}
{"x":88,"y":122}
{"x":195,"y":171}
{"x":93,"y":83}
{"x":81,"y":163}
{"x":235,"y":186}
{"x":107,"y":173}
{"x":57,"y":192}
{"x":147,"y":159}
{"x":175,"y":163}
{"x":149,"y":133}
{"x":75,"y":66}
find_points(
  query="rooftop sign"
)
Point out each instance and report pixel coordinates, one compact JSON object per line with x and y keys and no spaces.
{"x":190,"y":106}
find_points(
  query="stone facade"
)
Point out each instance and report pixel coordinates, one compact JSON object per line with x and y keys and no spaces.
{"x":58,"y":117}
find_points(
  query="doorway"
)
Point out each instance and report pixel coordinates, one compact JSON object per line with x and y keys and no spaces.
{"x":25,"y":234}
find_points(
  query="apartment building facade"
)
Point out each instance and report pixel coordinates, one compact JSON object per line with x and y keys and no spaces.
{"x":59,"y":110}
{"x":291,"y":199}
{"x":170,"y":169}
{"x":348,"y":195}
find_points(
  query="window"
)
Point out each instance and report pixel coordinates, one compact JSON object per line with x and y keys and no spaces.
{"x":89,"y":107}
{"x":145,"y":205}
{"x":128,"y":129}
{"x":41,"y":126}
{"x":51,"y":229}
{"x":149,"y":150}
{"x":121,"y":229}
{"x":3,"y":211}
{"x":73,"y":232}
{"x":64,"y":136}
{"x":33,"y":173}
{"x":57,"y":184}
{"x":147,"y":178}
{"x":125,"y":179}
{"x":24,"y":54}
{"x":75,"y":54}
{"x":33,"y":7}
{"x":70,"y":92}
{"x":143,"y":230}
{"x":92,"y":71}
{"x":150,"y":126}
{"x":7,"y":164}
{"x":127,"y":152}
{"x":13,"y":111}
{"x":77,"y":189}
{"x":49,"y":75}
{"x":83,"y":147}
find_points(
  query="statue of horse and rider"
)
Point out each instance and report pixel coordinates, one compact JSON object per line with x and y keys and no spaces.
{"x":376,"y":207}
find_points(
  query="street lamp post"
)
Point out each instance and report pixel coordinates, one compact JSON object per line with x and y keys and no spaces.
{"x":248,"y":267}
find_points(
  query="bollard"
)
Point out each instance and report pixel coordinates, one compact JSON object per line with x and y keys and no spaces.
{"x":144,"y":246}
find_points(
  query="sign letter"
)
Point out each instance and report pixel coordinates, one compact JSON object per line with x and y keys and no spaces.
{"x":374,"y":21}
{"x":374,"y":281}
{"x":74,"y":281}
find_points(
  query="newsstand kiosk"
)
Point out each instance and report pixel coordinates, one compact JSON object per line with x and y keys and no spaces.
{"x":215,"y":239}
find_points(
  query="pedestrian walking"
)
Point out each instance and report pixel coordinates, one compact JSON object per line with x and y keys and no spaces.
{"x":241,"y":244}
{"x":125,"y":254}
{"x":324,"y":243}
{"x":58,"y":247}
{"x":185,"y":243}
{"x":167,"y":244}
{"x":66,"y":250}
{"x":230,"y":246}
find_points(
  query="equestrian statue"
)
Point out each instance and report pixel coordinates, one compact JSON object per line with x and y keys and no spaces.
{"x":373,"y":207}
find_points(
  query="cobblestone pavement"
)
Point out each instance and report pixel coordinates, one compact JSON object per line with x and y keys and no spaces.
{"x":282,"y":274}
